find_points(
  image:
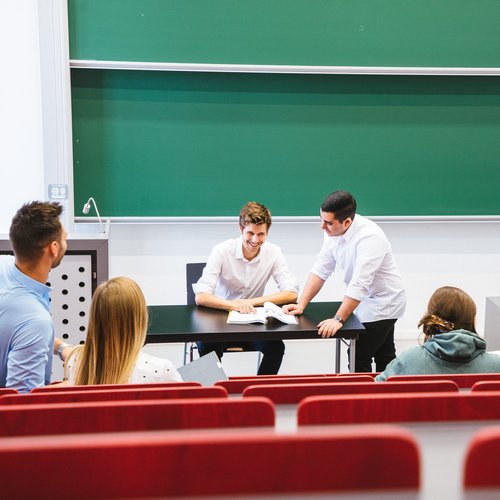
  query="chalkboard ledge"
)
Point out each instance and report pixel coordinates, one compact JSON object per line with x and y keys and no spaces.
{"x":279,"y":68}
{"x":289,"y":219}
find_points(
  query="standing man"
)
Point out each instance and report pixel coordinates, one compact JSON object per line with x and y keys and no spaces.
{"x":374,"y":287}
{"x":235,"y":277}
{"x":38,"y":239}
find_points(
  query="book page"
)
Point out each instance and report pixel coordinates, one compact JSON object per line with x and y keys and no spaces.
{"x":276,"y":312}
{"x":257,"y":317}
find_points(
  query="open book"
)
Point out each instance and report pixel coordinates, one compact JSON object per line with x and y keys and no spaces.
{"x":261,"y":314}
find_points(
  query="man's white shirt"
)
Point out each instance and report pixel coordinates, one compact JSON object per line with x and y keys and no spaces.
{"x":364,"y":253}
{"x":229,"y":275}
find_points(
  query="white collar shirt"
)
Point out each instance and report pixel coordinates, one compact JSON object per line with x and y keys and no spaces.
{"x":364,"y":254}
{"x":229,"y":275}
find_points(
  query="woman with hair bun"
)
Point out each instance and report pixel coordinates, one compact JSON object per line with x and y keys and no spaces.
{"x":451,"y":344}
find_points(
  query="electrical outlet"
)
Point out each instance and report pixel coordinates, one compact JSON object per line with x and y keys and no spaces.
{"x":58,"y":191}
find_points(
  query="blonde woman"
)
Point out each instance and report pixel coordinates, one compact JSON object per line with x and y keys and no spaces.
{"x":112,"y":353}
{"x":451,"y":344}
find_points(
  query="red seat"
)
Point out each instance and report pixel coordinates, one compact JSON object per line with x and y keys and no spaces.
{"x":294,"y":393}
{"x":464,"y":380}
{"x":237,"y":386}
{"x":116,"y":394}
{"x":113,"y":416}
{"x":404,"y":407}
{"x":160,"y":464}
{"x":482,"y":460}
{"x":62,"y":388}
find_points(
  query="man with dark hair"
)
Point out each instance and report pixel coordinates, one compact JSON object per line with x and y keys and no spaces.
{"x":38,"y":239}
{"x":374,"y":287}
{"x":235,"y":278}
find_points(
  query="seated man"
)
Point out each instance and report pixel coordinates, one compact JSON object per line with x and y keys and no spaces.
{"x":38,"y":239}
{"x":235,"y":277}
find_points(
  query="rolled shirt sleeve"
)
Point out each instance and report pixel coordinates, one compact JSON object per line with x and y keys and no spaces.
{"x":29,"y":362}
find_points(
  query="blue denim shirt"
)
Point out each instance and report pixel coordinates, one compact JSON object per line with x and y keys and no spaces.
{"x":26,"y":330}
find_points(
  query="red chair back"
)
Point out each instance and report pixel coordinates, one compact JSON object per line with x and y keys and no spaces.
{"x":114,"y":395}
{"x":239,"y":385}
{"x":486,"y":385}
{"x":161,"y":465}
{"x":4,"y":390}
{"x":463,"y":380}
{"x":482,"y":460}
{"x":302,"y":375}
{"x":63,"y":388}
{"x":405,"y":407}
{"x":294,"y":393}
{"x":121,"y":416}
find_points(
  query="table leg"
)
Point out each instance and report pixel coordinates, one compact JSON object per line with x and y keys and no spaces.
{"x":338,"y":347}
{"x":352,"y":355}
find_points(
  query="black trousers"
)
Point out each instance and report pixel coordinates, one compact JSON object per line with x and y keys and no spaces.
{"x":272,"y":352}
{"x":375,"y":343}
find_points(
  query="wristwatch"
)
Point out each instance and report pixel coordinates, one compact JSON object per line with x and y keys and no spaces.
{"x":339,"y":319}
{"x":61,"y":348}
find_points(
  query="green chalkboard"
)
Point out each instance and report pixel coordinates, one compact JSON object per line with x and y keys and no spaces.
{"x":191,"y":144}
{"x":297,"y":32}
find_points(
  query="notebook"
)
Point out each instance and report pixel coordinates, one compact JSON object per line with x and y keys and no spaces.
{"x":206,"y":370}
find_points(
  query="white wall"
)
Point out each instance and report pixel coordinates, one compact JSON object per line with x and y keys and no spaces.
{"x":35,"y":117}
{"x":21,"y":148}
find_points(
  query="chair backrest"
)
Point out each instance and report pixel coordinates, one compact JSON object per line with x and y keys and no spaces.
{"x":302,"y":375}
{"x":294,"y":393}
{"x":239,"y":385}
{"x":194,"y":271}
{"x":121,"y":416}
{"x":73,"y":388}
{"x":403,"y":407}
{"x":4,"y":390}
{"x":464,"y":380}
{"x":486,"y":385}
{"x":161,"y":465}
{"x":114,"y":395}
{"x":482,"y":460}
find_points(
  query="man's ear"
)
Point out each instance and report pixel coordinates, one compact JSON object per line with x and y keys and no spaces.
{"x":54,"y":249}
{"x":347,"y":223}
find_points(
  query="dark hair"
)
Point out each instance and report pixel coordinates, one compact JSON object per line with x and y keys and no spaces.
{"x":449,"y":309}
{"x":341,"y":204}
{"x":35,"y":226}
{"x":255,"y":213}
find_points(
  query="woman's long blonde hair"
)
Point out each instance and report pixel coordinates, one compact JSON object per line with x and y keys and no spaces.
{"x":449,"y":308}
{"x":116,"y":333}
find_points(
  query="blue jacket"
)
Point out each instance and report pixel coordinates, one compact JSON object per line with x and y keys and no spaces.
{"x":458,"y":351}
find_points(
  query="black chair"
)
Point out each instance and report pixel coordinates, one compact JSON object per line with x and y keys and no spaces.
{"x":194,"y":270}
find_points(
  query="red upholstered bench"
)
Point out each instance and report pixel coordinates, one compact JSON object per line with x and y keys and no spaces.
{"x":294,"y":393}
{"x":117,"y":394}
{"x":160,"y":465}
{"x":121,"y":416}
{"x":404,"y":407}
{"x":237,"y":386}
{"x":464,"y":380}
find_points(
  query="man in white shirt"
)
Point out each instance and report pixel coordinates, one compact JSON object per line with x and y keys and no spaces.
{"x":236,"y":276}
{"x":374,"y":287}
